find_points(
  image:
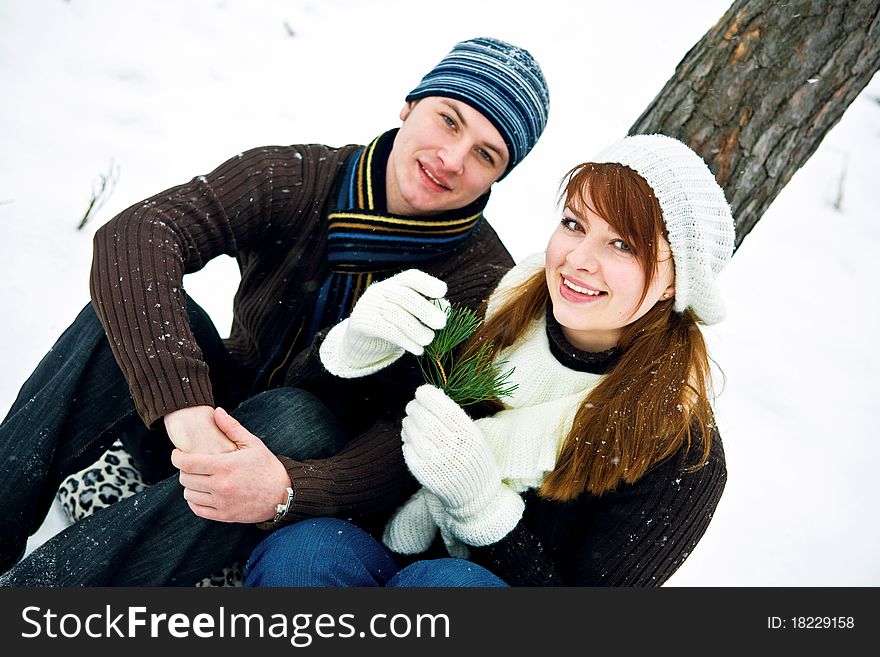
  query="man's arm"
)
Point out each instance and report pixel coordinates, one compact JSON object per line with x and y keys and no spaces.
{"x":368,"y":476}
{"x":142,"y":255}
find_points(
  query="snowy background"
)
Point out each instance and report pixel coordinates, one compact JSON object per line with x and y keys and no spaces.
{"x":154,"y":92}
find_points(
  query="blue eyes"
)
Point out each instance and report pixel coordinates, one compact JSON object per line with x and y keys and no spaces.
{"x":481,"y":152}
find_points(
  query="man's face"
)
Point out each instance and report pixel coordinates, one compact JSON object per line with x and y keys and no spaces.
{"x":445,"y":156}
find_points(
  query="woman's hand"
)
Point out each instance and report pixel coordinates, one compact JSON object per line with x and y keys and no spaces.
{"x":452,"y":459}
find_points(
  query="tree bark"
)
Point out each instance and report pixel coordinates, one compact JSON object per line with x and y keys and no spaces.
{"x":758,"y":93}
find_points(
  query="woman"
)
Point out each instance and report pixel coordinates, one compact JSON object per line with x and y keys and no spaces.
{"x":604,"y":465}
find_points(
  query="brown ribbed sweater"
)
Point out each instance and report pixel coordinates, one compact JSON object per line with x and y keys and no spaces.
{"x":264,"y":207}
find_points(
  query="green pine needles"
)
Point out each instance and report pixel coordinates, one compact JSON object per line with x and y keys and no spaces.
{"x":473,"y":377}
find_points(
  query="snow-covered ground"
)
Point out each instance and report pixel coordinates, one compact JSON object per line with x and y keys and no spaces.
{"x":155,"y":92}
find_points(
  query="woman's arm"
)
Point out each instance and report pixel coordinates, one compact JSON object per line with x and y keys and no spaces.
{"x":641,"y":534}
{"x":638,"y":535}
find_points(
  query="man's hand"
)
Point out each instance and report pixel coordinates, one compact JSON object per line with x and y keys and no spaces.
{"x":239,"y":486}
{"x":193,"y":430}
{"x":399,"y":314}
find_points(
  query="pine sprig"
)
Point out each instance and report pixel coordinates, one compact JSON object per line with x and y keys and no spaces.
{"x":474,"y":377}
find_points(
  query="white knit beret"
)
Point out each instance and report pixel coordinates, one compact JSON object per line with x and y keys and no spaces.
{"x":697,"y":216}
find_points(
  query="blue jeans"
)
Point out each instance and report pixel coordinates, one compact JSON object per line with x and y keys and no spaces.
{"x":328,"y":552}
{"x":71,"y":409}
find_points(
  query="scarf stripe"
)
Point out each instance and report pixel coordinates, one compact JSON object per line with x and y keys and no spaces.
{"x":377,"y":220}
{"x":365,"y":180}
{"x":354,"y":238}
{"x":381,"y":229}
{"x":388,"y":239}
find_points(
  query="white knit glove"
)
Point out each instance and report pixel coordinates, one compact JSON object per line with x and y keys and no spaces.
{"x":452,"y":459}
{"x":392,"y":316}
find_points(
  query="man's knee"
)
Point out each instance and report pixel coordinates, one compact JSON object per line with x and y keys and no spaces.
{"x":292,"y":422}
{"x":85,"y":325}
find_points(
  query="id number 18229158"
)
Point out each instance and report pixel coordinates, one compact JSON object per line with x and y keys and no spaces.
{"x":811,"y":623}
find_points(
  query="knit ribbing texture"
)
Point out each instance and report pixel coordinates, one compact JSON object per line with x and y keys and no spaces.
{"x":697,"y":216}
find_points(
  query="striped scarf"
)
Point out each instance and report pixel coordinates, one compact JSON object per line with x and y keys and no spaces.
{"x":366,"y":243}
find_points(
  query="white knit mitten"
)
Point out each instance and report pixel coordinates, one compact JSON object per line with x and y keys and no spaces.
{"x":452,"y":459}
{"x":412,"y":528}
{"x":398,"y":314}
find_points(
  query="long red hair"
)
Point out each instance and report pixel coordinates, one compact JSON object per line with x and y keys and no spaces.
{"x":656,"y":398}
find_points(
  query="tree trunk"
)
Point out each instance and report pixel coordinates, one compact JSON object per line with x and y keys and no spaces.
{"x":757,"y":94}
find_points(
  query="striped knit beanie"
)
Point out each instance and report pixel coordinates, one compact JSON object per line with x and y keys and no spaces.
{"x":502,"y":81}
{"x":697,"y":216}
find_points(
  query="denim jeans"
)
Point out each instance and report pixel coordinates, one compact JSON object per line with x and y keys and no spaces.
{"x":71,"y":409}
{"x":329,"y":552}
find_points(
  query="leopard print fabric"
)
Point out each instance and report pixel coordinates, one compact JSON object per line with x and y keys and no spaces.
{"x":111,"y":478}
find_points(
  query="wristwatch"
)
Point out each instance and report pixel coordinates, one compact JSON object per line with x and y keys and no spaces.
{"x":282,"y":509}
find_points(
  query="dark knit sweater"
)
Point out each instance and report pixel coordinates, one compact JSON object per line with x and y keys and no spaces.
{"x":266,"y":208}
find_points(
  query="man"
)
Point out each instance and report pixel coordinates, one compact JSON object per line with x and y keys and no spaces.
{"x":311,"y":227}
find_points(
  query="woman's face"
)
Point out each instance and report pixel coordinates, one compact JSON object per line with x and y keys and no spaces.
{"x":596,"y":282}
